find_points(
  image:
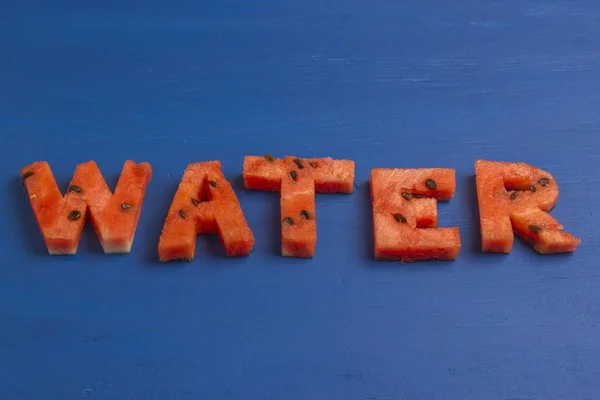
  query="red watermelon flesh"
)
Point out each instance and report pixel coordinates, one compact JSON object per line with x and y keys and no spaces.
{"x":204,"y":203}
{"x":298,"y":179}
{"x":405,"y":214}
{"x":330,"y":176}
{"x":114,"y":216}
{"x":298,"y":216}
{"x":518,"y":197}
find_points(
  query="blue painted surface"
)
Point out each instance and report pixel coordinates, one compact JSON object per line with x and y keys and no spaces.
{"x":385,"y":83}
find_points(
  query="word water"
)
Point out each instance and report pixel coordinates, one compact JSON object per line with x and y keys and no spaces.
{"x":513,"y":198}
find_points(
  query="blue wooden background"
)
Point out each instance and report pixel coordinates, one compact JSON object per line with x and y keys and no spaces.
{"x":387,"y":83}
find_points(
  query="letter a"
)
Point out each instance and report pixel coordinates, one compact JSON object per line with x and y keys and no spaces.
{"x":205,"y":203}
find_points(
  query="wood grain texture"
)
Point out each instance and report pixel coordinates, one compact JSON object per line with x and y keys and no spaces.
{"x":388,"y":84}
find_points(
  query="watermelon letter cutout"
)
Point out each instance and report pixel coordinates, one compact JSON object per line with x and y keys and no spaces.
{"x":518,"y":197}
{"x":405,"y":214}
{"x":205,"y":203}
{"x":298,"y":179}
{"x":61,"y":219}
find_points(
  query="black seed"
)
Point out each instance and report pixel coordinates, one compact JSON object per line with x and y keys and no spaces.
{"x":514,"y":196}
{"x":74,"y":215}
{"x":27,"y":174}
{"x":182,"y":214}
{"x":294,"y":175}
{"x":400,"y":218}
{"x":544,"y":181}
{"x":75,"y":189}
{"x":269,"y":158}
{"x":299,"y":163}
{"x":195,"y":202}
{"x":312,"y":164}
{"x":535,"y":228}
{"x":213,"y":183}
{"x":532,"y":188}
{"x":125,"y":206}
{"x":430,"y":183}
{"x":407,"y":196}
{"x":305,"y":214}
{"x":288,"y":220}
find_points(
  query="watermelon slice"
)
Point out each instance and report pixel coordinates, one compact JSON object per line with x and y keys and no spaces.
{"x":518,"y":197}
{"x":204,"y":203}
{"x":61,"y":219}
{"x":298,"y":179}
{"x":405,"y":214}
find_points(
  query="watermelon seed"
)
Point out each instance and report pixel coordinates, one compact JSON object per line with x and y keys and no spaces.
{"x":299,"y":163}
{"x":75,"y":189}
{"x":213,"y":184}
{"x":400,"y":218}
{"x":269,"y":158}
{"x":125,"y":206}
{"x":312,"y":164}
{"x":74,"y":215}
{"x":182,"y":214}
{"x":407,"y":196}
{"x":430,"y":183}
{"x":288,"y":220}
{"x":535,"y":228}
{"x":544,"y":181}
{"x":28,"y":174}
{"x":294,"y":175}
{"x":195,"y":202}
{"x":514,"y":196}
{"x":305,"y":214}
{"x":532,"y":188}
